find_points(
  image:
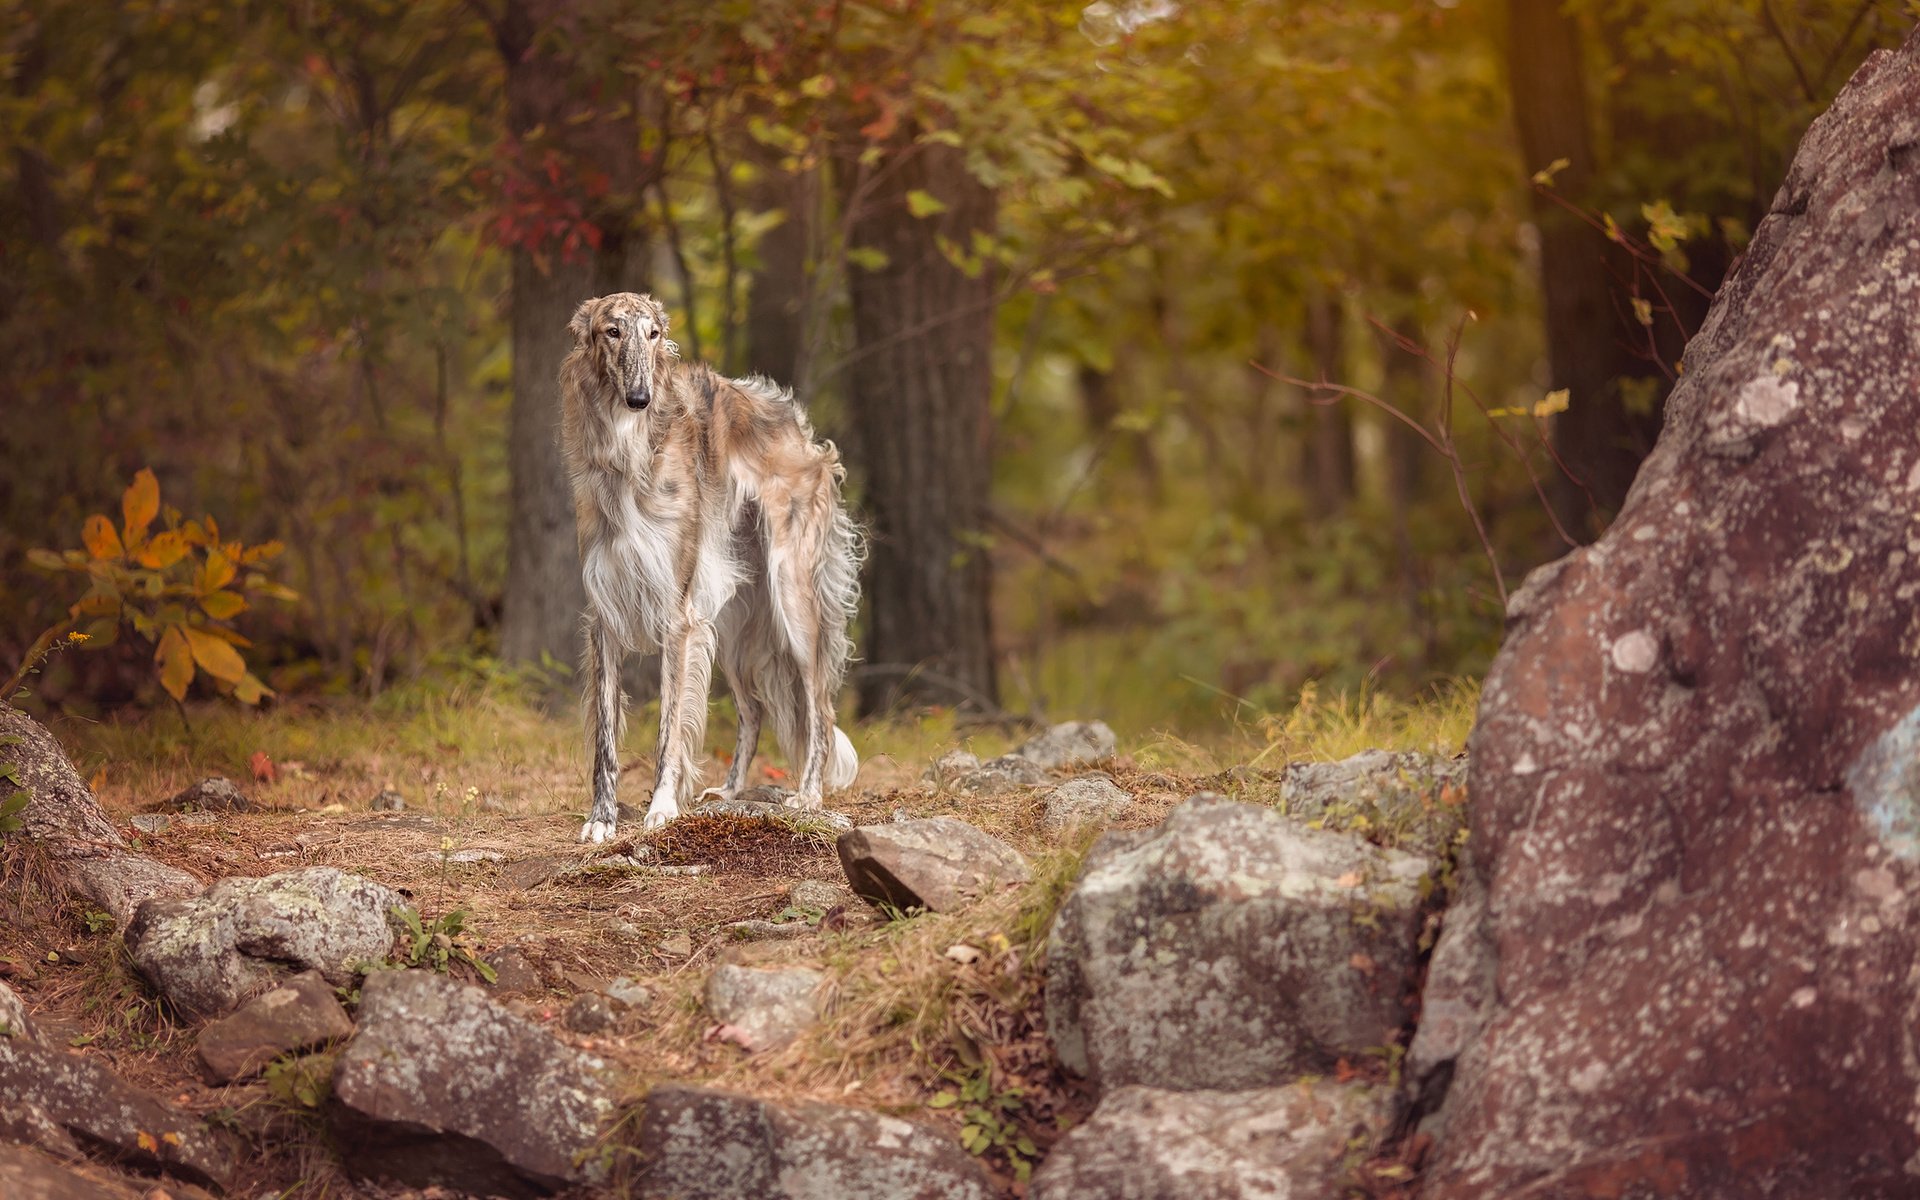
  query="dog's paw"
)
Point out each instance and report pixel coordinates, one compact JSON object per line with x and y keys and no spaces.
{"x":597,"y":832}
{"x":659,"y":814}
{"x":805,"y":803}
{"x":712,"y":795}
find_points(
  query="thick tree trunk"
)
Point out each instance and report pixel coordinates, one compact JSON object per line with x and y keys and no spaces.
{"x":780,"y":297}
{"x":1588,"y":334}
{"x":548,"y":96}
{"x":1327,"y":453}
{"x":919,"y":425}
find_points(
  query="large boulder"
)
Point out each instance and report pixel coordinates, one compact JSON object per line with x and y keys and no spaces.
{"x":441,"y":1086}
{"x":1696,"y":771}
{"x":699,"y":1144}
{"x":1289,"y":1143}
{"x":33,"y":1175}
{"x":937,"y":863}
{"x":1231,"y":948}
{"x":63,"y":818}
{"x":209,"y":953}
{"x":65,"y":1101}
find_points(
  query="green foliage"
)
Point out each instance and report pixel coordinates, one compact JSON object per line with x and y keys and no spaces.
{"x":434,"y":945}
{"x":988,"y":1116}
{"x":177,"y":589}
{"x":13,"y":805}
{"x":301,"y":1082}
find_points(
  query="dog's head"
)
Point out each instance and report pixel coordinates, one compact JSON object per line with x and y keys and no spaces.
{"x":623,"y":338}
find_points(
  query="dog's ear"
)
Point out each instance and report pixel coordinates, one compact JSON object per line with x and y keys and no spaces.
{"x":671,"y":347}
{"x":582,"y":323}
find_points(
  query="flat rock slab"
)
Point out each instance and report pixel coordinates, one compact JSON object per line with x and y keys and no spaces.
{"x":441,"y":1086}
{"x":698,"y":1144}
{"x":32,"y":1175}
{"x":1070,"y":744}
{"x":1287,"y":1143}
{"x":300,"y":1014}
{"x":940,"y":864}
{"x":43,"y":1088}
{"x":1230,"y":948}
{"x":1092,"y":799}
{"x":210,"y":953}
{"x":1693,"y":791}
{"x":766,"y":1007}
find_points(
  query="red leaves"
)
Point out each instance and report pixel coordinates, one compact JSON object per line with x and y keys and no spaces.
{"x":540,"y":210}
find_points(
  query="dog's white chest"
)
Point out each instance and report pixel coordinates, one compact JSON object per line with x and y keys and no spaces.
{"x":629,"y":570}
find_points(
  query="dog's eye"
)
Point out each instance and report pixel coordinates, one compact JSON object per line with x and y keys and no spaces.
{"x":613,"y":331}
{"x":653,"y":333}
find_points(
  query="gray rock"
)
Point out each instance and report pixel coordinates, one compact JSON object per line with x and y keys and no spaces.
{"x":241,"y":936}
{"x":817,"y":894}
{"x":44,"y":1088}
{"x":1071,"y":744}
{"x":525,"y":874}
{"x":514,"y":972}
{"x":440,"y":1086}
{"x":1008,"y":773}
{"x":1459,"y":994}
{"x":300,"y":1014}
{"x":1288,"y":1143}
{"x":766,"y":1006}
{"x":594,"y":1012}
{"x":151,"y":824}
{"x":764,"y":803}
{"x":14,"y":1019}
{"x":1395,"y":792}
{"x":1231,"y":949}
{"x":212,"y":794}
{"x":952,"y":765}
{"x":82,"y":844}
{"x":388,"y":801}
{"x":32,"y":1175}
{"x":630,"y":992}
{"x":698,"y":1144}
{"x":755,"y":930}
{"x":1085,"y":799}
{"x":938,"y":863}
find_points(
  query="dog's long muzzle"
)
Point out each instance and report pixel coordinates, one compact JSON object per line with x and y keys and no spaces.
{"x":637,"y":398}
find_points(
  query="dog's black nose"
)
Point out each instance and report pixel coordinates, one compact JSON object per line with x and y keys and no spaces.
{"x":637,"y":399}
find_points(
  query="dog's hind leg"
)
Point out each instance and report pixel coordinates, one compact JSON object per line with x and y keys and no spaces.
{"x":686,"y":674}
{"x":746,"y":701}
{"x":605,"y":715}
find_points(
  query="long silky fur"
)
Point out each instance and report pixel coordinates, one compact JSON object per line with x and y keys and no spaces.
{"x":711,"y":525}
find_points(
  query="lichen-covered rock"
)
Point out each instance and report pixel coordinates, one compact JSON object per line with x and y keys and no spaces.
{"x":951,"y":765}
{"x":817,"y":894}
{"x":1287,"y":1143}
{"x":1085,"y":800}
{"x":209,"y":953}
{"x":766,"y":1007}
{"x":32,"y":1175}
{"x":1693,"y":790}
{"x":698,"y":1144}
{"x":440,"y":1086}
{"x":300,"y":1014}
{"x":996,"y":776}
{"x":14,"y":1019}
{"x":45,"y":1088}
{"x":63,"y":817}
{"x":212,"y":794}
{"x":769,"y":804}
{"x":938,"y":863}
{"x":1231,"y":948}
{"x":1070,"y":744}
{"x":1401,"y":792}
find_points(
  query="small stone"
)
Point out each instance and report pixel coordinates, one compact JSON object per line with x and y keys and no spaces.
{"x":768,"y":931}
{"x":1071,"y":744}
{"x":1008,"y":773}
{"x":525,"y":874}
{"x":1085,"y":799}
{"x":767,"y":1007}
{"x":388,"y":801}
{"x":514,"y":972}
{"x":212,"y":794}
{"x":298,"y":1015}
{"x":630,"y":992}
{"x":939,"y":864}
{"x":593,"y":1013}
{"x":952,"y":765}
{"x":677,"y":945}
{"x":151,"y":824}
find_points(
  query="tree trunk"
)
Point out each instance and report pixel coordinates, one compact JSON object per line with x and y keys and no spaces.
{"x":1588,"y":335}
{"x":1328,"y":450}
{"x":780,"y":297}
{"x":919,"y":425}
{"x":549,"y":98}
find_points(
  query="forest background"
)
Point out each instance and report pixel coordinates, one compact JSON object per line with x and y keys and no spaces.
{"x":1060,"y":279}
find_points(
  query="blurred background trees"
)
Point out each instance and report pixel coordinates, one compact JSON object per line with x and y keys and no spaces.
{"x":312,"y":263}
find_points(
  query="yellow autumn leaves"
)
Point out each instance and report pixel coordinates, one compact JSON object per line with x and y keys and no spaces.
{"x":177,"y":587}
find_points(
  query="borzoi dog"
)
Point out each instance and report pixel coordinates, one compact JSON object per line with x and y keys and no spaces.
{"x":710,"y":521}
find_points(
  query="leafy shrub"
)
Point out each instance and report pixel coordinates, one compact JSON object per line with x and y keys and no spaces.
{"x":177,"y":589}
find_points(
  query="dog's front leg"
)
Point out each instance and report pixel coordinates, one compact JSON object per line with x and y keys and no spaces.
{"x":604,"y":713}
{"x":686,"y":675}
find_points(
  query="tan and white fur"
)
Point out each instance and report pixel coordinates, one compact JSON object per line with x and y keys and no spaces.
{"x":710,"y":523}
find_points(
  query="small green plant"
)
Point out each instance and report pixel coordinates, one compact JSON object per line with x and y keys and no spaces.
{"x":177,"y":589}
{"x":988,"y":1118}
{"x":436,"y":946}
{"x":301,"y":1082}
{"x":98,"y":922}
